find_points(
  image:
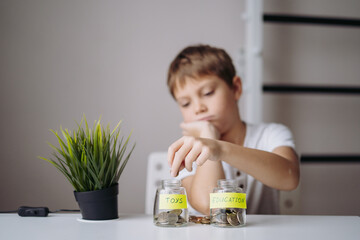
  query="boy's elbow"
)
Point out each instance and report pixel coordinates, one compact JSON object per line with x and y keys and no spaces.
{"x":203,"y":209}
{"x":293,"y":181}
{"x":293,"y":185}
{"x":201,"y":206}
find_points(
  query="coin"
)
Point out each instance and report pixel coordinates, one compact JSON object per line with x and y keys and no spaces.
{"x":240,"y":217}
{"x":227,"y":217}
{"x":192,"y":218}
{"x":162,"y":217}
{"x":199,"y":219}
{"x":233,"y":219}
{"x":176,"y":211}
{"x":172,"y":218}
{"x":181,"y":220}
{"x":227,"y":211}
{"x":167,"y":218}
{"x":221,"y":218}
{"x":205,"y":220}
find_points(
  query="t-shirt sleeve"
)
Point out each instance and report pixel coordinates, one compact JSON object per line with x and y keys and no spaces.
{"x":279,"y":135}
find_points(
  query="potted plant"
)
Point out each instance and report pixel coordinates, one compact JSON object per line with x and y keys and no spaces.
{"x":92,"y":160}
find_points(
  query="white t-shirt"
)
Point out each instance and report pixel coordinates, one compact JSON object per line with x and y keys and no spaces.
{"x":260,"y":199}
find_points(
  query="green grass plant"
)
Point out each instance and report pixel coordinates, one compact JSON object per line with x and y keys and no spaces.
{"x":91,"y":159}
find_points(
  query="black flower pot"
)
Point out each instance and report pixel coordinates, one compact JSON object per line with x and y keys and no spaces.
{"x":100,"y":204}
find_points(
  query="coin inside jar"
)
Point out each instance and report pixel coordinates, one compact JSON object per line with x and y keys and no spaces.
{"x":172,"y":218}
{"x":176,"y":211}
{"x":162,"y":217}
{"x":227,"y":217}
{"x":221,"y":218}
{"x":240,"y":217}
{"x":233,"y":219}
{"x":181,"y":220}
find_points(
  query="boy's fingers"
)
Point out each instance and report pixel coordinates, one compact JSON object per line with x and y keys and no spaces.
{"x":179,"y":158}
{"x":173,"y":149}
{"x":182,"y":166}
{"x":203,"y":157}
{"x":192,"y":156}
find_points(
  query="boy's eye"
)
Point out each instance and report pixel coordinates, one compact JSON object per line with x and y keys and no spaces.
{"x":185,"y":105}
{"x":209,"y":93}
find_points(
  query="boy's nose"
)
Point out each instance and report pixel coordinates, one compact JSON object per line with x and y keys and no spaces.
{"x":200,"y":108}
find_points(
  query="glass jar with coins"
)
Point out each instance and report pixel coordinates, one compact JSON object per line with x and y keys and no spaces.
{"x":227,"y":205}
{"x":170,"y":206}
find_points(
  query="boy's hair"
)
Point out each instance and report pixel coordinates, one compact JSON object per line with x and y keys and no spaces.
{"x":198,"y":61}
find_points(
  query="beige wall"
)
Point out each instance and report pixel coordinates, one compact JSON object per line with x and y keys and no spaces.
{"x":60,"y":59}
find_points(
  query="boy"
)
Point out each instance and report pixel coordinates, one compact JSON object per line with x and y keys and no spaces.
{"x":217,"y":144}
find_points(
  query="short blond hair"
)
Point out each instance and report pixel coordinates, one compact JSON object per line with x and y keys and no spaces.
{"x":198,"y":61}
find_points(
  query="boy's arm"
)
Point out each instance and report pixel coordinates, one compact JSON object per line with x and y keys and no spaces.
{"x":278,"y":169}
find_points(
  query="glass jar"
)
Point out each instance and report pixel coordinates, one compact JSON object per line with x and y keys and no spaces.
{"x":170,"y":205}
{"x":227,"y":205}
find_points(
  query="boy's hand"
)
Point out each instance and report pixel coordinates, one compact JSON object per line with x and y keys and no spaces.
{"x":203,"y":129}
{"x":189,"y":149}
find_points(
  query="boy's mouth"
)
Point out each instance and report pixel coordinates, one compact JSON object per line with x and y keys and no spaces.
{"x":209,"y":118}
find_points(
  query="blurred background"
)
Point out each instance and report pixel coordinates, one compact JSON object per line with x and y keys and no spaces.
{"x":62,"y":59}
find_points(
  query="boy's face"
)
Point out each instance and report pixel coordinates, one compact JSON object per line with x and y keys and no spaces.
{"x":208,"y":99}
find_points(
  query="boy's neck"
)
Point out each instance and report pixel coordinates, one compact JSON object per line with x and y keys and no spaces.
{"x":236,"y":134}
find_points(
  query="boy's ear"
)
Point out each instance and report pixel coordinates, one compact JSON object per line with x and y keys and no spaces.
{"x":237,"y":87}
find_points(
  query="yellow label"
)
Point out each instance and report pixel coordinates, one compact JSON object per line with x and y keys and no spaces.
{"x":228,"y":200}
{"x":172,"y":201}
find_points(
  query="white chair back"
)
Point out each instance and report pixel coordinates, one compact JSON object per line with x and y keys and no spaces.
{"x":157,"y":170}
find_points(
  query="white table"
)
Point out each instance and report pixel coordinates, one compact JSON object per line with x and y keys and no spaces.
{"x":68,"y":226}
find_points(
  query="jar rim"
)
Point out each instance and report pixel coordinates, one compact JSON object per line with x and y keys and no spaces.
{"x":227,"y":183}
{"x":171,"y":182}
